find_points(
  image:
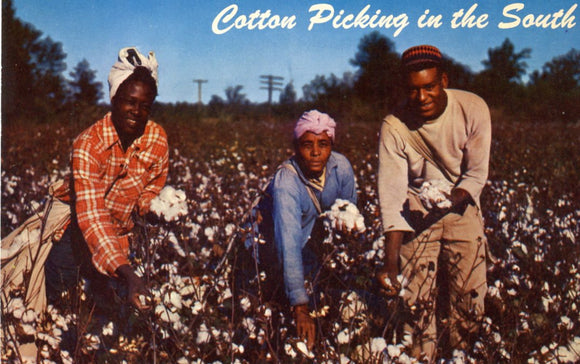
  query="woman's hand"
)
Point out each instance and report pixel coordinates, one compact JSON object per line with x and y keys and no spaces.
{"x":138,"y":295}
{"x":305,"y":325}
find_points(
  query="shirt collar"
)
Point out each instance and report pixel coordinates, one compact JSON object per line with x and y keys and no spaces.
{"x":110,"y":136}
{"x":330,"y":165}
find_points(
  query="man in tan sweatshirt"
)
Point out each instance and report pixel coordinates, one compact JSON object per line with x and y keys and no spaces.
{"x":440,"y":138}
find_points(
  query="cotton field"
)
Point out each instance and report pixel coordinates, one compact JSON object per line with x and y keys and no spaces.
{"x":193,"y":257}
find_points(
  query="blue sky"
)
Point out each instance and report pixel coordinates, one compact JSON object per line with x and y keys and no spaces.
{"x":180,"y":32}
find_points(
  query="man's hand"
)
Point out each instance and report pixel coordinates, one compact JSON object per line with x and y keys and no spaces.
{"x":304,"y":325}
{"x":387,"y":276}
{"x":136,"y":288}
{"x":460,"y":198}
{"x":389,"y":282}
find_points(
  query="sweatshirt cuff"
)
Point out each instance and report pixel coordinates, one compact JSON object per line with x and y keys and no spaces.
{"x":396,"y":223}
{"x":472,"y":187}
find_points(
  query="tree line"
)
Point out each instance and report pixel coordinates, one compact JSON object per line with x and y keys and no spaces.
{"x":35,"y":89}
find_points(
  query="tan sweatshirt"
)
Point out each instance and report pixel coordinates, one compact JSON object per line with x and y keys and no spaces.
{"x":460,"y":139}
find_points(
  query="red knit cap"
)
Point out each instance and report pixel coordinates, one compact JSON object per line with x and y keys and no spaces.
{"x":421,"y":54}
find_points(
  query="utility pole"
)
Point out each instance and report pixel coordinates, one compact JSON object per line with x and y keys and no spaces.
{"x":273,"y":82}
{"x":199,"y":82}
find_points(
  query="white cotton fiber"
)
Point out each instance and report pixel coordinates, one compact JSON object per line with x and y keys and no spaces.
{"x":344,"y":212}
{"x":170,"y":204}
{"x":435,"y":193}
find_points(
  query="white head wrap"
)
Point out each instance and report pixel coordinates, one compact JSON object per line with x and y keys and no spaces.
{"x":129,"y":58}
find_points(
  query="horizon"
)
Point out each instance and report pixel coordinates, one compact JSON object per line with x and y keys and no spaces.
{"x":230,"y":43}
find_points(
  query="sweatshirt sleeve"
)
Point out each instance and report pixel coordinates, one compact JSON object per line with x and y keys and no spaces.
{"x":393,"y":183}
{"x":477,"y":149}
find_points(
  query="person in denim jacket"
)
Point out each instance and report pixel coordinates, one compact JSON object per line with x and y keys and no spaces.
{"x":304,"y":186}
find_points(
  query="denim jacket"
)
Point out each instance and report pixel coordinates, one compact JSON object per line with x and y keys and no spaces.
{"x":291,"y":211}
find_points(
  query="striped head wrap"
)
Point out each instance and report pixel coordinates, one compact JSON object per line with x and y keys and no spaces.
{"x":421,"y":54}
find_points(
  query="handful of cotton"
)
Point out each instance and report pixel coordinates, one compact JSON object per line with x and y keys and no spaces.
{"x":435,"y":193}
{"x":170,"y":204}
{"x":344,"y":214}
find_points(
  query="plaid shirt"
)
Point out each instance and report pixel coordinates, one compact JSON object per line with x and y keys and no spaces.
{"x":109,"y":184}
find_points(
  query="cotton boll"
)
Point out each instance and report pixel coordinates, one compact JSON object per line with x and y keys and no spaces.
{"x":393,"y":351}
{"x":230,"y":229}
{"x":172,"y":300}
{"x":301,"y":346}
{"x":92,"y":342}
{"x":343,"y":337}
{"x":108,"y":329}
{"x":170,"y":204}
{"x":353,"y":306}
{"x":290,"y":350}
{"x":16,"y":307}
{"x":344,"y":213}
{"x":196,"y":308}
{"x":249,"y":324}
{"x":435,"y":194}
{"x":245,"y":303}
{"x":175,"y":244}
{"x":209,"y":232}
{"x":166,"y":314}
{"x":203,"y":335}
{"x":378,"y":344}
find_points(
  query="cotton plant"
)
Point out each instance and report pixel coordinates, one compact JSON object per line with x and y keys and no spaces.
{"x":533,"y":288}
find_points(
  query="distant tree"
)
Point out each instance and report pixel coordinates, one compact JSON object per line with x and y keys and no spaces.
{"x":84,"y":89}
{"x":234,"y":96}
{"x":322,"y":88}
{"x":562,"y":72}
{"x":315,"y":89}
{"x":48,"y":59}
{"x":460,"y":76}
{"x":505,"y":64}
{"x":378,"y":76}
{"x":216,"y":101}
{"x":288,"y":94}
{"x":33,"y":85}
{"x":500,"y":81}
{"x":17,"y":67}
{"x":554,"y":92}
{"x":331,"y":94}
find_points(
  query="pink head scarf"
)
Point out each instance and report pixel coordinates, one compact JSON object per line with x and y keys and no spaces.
{"x":315,"y":122}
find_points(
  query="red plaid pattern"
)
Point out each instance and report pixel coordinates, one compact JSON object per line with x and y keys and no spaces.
{"x":109,"y":184}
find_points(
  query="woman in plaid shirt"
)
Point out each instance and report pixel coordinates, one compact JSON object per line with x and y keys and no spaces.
{"x":119,"y":164}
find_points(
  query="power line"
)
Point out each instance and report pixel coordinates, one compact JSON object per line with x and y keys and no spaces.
{"x":199,"y":82}
{"x":273,"y":83}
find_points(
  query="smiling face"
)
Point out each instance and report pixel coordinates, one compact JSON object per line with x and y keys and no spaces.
{"x":313,"y":151}
{"x":131,"y":107}
{"x":426,"y":94}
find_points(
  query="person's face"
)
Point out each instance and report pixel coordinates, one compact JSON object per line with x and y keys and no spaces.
{"x":426,"y":94}
{"x":130,"y":111}
{"x":313,"y":151}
